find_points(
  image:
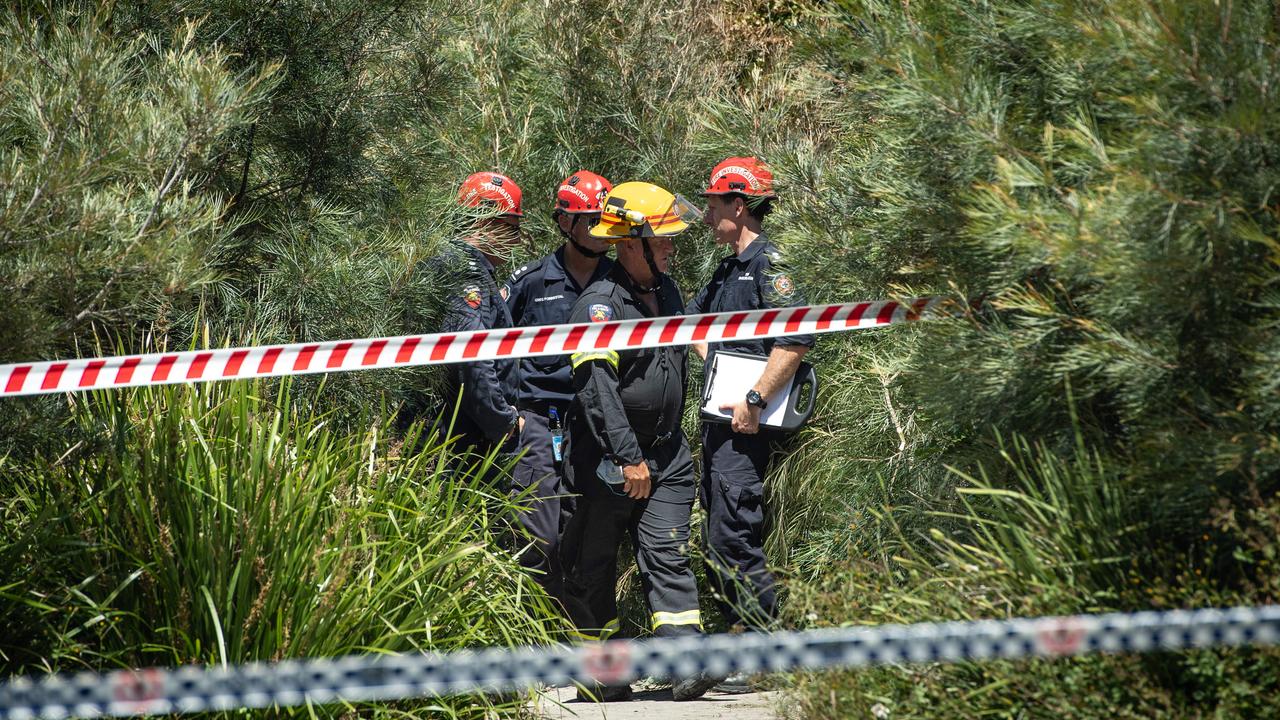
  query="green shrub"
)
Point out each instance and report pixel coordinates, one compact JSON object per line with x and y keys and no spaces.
{"x":212,"y":524}
{"x":1062,"y":538}
{"x":1099,"y":178}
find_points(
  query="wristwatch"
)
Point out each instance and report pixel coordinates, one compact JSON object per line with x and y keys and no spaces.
{"x":753,"y":398}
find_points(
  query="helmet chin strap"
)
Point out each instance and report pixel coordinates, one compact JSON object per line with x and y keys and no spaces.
{"x":577,"y":245}
{"x":653,"y":268}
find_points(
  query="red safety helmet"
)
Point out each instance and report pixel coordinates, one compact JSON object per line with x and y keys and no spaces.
{"x":582,"y":192}
{"x":744,"y":175}
{"x":492,"y":188}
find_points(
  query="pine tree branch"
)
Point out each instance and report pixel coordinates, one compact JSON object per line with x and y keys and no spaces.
{"x":176,"y":169}
{"x":279,"y":188}
{"x":893,"y":414}
{"x":244,"y":171}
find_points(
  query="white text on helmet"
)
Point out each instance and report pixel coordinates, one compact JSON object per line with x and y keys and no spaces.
{"x":576,"y":192}
{"x":511,"y":202}
{"x":752,"y":180}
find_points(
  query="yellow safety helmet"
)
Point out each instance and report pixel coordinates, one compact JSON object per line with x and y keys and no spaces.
{"x":641,"y":209}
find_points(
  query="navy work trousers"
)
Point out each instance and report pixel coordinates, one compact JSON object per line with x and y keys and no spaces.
{"x":547,"y":505}
{"x":732,"y":496}
{"x":659,"y":529}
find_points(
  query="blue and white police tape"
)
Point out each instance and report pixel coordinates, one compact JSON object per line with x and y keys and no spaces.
{"x":390,"y":677}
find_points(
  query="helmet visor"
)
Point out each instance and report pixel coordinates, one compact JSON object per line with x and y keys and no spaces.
{"x":684,"y":209}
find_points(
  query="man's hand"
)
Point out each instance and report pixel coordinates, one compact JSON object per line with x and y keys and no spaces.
{"x":518,"y":427}
{"x":746,"y":418}
{"x":635,"y":480}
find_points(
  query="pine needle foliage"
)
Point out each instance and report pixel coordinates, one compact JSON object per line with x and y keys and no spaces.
{"x":104,"y":145}
{"x":1093,"y":184}
{"x":1100,"y":178}
{"x":1104,"y":187}
{"x":105,"y":221}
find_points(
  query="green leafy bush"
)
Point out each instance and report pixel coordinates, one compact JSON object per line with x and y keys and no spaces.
{"x":1099,"y":177}
{"x":1062,"y":537}
{"x":215,"y":525}
{"x":1098,"y":430}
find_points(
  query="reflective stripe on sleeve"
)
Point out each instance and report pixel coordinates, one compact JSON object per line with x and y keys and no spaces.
{"x":605,"y":633}
{"x":688,"y":617}
{"x":609,"y":355}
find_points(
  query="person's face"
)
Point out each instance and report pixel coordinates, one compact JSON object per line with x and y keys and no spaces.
{"x":581,"y":230}
{"x":663,"y":251}
{"x":724,"y":216}
{"x":500,"y":236}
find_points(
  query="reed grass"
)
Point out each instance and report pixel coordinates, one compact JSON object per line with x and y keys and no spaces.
{"x":231,"y":522}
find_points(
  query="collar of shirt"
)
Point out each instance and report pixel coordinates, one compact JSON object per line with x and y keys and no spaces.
{"x":477,"y":257}
{"x":670,"y":302}
{"x":753,"y":250}
{"x":623,"y":279}
{"x":555,"y":269}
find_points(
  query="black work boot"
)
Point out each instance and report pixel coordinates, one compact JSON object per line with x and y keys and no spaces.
{"x":692,"y":687}
{"x":735,"y":684}
{"x":604,"y":693}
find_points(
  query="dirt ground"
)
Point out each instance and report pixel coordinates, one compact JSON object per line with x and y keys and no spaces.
{"x":560,"y":704}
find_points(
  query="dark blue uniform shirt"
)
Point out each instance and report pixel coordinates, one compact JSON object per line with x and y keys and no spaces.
{"x":472,"y":302}
{"x":627,"y":400}
{"x":542,"y":293}
{"x":755,"y":280}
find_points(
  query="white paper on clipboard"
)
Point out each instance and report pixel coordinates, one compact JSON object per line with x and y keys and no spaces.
{"x":731,"y":376}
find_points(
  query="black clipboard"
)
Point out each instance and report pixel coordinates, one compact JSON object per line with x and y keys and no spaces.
{"x":741,"y":371}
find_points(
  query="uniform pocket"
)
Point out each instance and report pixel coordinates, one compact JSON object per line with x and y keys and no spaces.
{"x":548,"y":362}
{"x":743,"y":497}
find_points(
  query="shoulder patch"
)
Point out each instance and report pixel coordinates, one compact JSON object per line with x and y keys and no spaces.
{"x":600,"y":312}
{"x":782,"y":285}
{"x":471,"y":294}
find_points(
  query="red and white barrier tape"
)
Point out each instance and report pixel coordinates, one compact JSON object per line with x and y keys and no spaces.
{"x":35,"y":378}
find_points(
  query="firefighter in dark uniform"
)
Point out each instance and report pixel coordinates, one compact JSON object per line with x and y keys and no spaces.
{"x":628,"y":458}
{"x":542,"y":293}
{"x":735,"y":456}
{"x":487,"y":416}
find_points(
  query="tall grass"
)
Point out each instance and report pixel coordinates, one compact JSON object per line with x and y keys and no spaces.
{"x":230,"y":522}
{"x":1067,"y":533}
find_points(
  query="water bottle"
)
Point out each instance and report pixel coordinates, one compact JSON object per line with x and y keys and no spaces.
{"x":557,"y":435}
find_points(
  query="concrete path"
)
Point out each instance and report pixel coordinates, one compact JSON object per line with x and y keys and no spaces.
{"x":657,"y":705}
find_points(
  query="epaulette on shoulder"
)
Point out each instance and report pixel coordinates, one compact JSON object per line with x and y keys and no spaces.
{"x":525,"y":269}
{"x":776,"y":258}
{"x":606,"y":289}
